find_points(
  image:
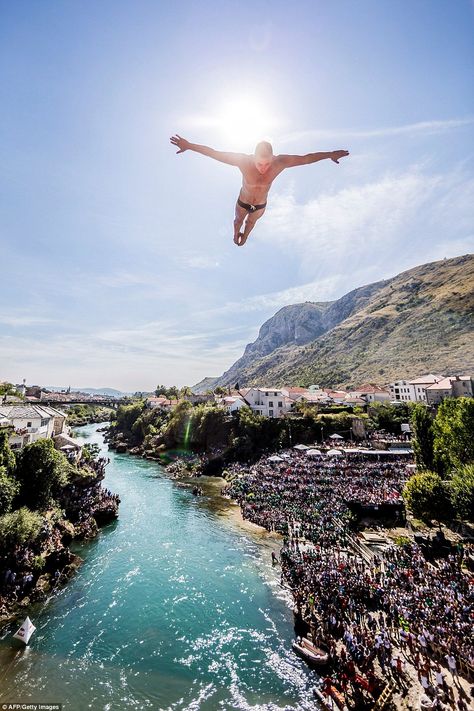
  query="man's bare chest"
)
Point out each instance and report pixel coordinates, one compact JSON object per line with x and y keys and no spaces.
{"x":254,"y":179}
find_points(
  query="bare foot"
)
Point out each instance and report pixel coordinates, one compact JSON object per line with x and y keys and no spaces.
{"x":241,"y":239}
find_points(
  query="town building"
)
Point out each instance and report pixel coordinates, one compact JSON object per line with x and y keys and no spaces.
{"x":232,"y":403}
{"x":420,"y":384}
{"x":456,"y":386}
{"x":402,"y":391}
{"x":29,"y":423}
{"x":370,"y":393}
{"x":270,"y":402}
{"x":161,"y":403}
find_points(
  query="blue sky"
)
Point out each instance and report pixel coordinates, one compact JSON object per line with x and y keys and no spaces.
{"x":117,"y":262}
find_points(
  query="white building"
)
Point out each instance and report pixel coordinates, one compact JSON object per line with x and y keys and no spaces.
{"x":233,"y":403}
{"x":457,"y":386}
{"x":270,"y":402}
{"x":420,"y":384}
{"x":403,"y":391}
{"x":32,"y":422}
{"x":371,"y":393}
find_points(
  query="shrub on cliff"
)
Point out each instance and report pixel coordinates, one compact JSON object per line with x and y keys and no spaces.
{"x":19,"y":527}
{"x":8,"y":491}
{"x":125,"y":419}
{"x":42,"y":472}
{"x":7,"y":458}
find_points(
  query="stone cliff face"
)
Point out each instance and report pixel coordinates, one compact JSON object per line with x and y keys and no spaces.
{"x":419,"y":321}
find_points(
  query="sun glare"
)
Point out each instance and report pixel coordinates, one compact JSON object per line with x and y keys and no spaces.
{"x":245,"y":121}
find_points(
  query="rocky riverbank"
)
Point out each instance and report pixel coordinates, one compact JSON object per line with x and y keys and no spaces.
{"x":32,"y":570}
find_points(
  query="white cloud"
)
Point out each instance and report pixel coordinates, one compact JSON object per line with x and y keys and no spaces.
{"x":122,"y":279}
{"x":23,"y":319}
{"x":365,"y":224}
{"x":424,"y":128}
{"x":197,"y":261}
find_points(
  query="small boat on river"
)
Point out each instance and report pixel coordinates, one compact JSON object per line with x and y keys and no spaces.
{"x":315,"y":656}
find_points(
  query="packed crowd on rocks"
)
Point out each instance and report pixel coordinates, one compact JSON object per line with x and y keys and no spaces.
{"x":378,"y":615}
{"x":300,"y":487}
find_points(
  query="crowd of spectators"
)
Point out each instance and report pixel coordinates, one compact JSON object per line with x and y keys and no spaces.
{"x":377,"y":614}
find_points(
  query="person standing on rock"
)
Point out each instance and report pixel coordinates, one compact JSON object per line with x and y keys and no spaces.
{"x":258,"y":173}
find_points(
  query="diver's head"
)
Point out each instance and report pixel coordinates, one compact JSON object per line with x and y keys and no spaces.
{"x":263,"y":156}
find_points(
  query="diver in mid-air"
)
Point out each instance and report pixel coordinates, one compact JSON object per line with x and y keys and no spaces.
{"x":258,"y":173}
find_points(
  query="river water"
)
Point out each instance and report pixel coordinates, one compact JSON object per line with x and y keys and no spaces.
{"x":175,"y":607}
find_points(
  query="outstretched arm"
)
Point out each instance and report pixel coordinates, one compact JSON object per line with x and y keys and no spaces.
{"x":222,"y":156}
{"x":292,"y":161}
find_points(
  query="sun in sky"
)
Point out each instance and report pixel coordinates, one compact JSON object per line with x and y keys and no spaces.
{"x":240,"y":122}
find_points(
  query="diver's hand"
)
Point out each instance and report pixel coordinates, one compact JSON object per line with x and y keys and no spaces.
{"x":337,"y":155}
{"x":182,"y":143}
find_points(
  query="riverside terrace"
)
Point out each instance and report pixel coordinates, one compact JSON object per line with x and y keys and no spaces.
{"x":391,"y":617}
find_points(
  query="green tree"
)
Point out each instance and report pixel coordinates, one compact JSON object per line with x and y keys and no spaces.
{"x":8,"y":491}
{"x":126,"y":417}
{"x":90,"y":452}
{"x":8,"y":389}
{"x":7,"y":458}
{"x":19,"y":527}
{"x":42,"y":472}
{"x":462,"y":492}
{"x":454,"y":434}
{"x":179,"y":424}
{"x":427,"y":497}
{"x":220,"y":390}
{"x":389,"y":417}
{"x":423,"y":436}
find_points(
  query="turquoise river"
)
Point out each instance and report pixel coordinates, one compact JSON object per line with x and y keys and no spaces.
{"x":175,"y":607}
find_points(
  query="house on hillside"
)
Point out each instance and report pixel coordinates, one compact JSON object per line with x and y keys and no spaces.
{"x":232,"y":403}
{"x":420,"y":384}
{"x":161,"y":403}
{"x":32,"y":422}
{"x":337,"y":396}
{"x":370,"y":393}
{"x":402,"y":390}
{"x":294,"y":393}
{"x":354,"y":401}
{"x":456,"y":386}
{"x":70,"y":447}
{"x":270,"y":402}
{"x":315,"y":398}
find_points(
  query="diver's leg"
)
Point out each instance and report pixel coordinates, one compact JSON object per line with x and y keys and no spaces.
{"x":249,"y":225}
{"x":240,"y":215}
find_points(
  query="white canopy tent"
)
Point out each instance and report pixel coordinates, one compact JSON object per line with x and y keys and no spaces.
{"x":336,"y":436}
{"x":300,"y":447}
{"x":313,"y":452}
{"x":275,"y":458}
{"x":334,"y":453}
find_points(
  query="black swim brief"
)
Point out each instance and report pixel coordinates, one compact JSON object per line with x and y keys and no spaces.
{"x":250,"y":208}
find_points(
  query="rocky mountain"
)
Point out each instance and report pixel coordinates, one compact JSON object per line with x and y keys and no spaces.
{"x":417,"y":322}
{"x":204,"y":385}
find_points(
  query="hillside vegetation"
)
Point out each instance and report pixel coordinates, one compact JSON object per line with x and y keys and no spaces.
{"x":420,"y":321}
